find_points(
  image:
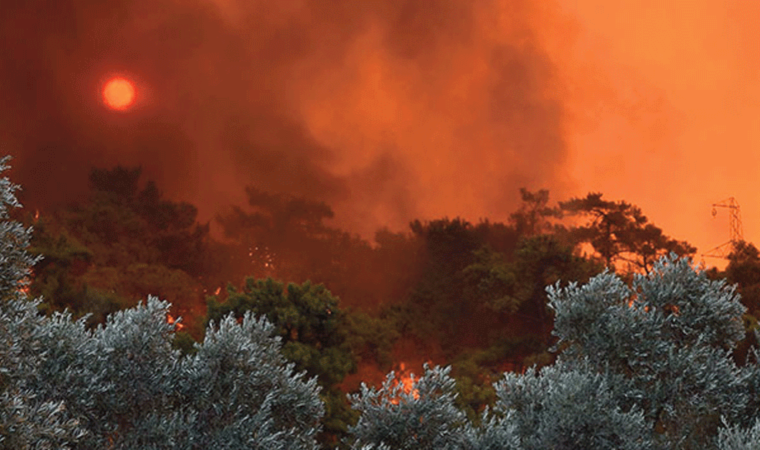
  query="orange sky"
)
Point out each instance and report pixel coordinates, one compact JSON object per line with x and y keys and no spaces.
{"x":391,"y":111}
{"x":661,"y":108}
{"x":664,"y":108}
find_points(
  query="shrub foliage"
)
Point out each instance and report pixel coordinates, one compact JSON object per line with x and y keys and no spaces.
{"x":641,"y":366}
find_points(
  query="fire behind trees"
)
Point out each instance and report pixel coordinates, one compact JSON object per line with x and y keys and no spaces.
{"x":447,"y":291}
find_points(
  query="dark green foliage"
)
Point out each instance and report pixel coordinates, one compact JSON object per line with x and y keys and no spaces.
{"x":540,"y":261}
{"x":474,"y":383}
{"x":152,"y":229}
{"x":121,"y":182}
{"x":619,"y":232}
{"x":184,"y":342}
{"x":442,"y":291}
{"x":283,"y":236}
{"x":642,"y":366}
{"x":121,"y":245}
{"x":307,"y":318}
{"x":314,"y":333}
{"x":473,"y":296}
{"x":55,"y":276}
{"x":533,"y":216}
{"x":744,"y":269}
{"x":493,"y":279}
{"x":476,"y":370}
{"x":396,"y":265}
{"x":372,"y":338}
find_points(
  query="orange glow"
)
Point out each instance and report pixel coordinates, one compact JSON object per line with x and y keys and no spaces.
{"x":407,"y":385}
{"x":170,"y":320}
{"x":630,"y":305}
{"x":401,"y":112}
{"x":661,"y":102}
{"x":119,"y":93}
{"x":669,"y":308}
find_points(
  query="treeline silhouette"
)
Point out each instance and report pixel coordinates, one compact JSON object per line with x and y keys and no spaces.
{"x":446,"y":291}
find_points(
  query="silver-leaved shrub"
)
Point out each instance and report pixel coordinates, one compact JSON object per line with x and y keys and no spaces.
{"x":670,"y":335}
{"x":646,"y":366}
{"x":122,"y":386}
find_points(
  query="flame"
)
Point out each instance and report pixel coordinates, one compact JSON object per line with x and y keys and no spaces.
{"x":669,"y":308}
{"x":36,"y":215}
{"x":170,"y":320}
{"x":630,"y":305}
{"x":407,"y":385}
{"x":217,"y":291}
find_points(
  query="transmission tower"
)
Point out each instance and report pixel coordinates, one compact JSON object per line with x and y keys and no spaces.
{"x":734,"y":225}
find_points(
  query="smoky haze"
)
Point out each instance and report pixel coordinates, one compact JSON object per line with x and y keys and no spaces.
{"x":386,"y":110}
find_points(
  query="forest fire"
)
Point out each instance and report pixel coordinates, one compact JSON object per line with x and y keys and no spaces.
{"x":407,"y":382}
{"x":171,"y":320}
{"x":673,"y":309}
{"x":331,"y":152}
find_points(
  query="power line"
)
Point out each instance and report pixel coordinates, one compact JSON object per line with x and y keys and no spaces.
{"x":734,"y":228}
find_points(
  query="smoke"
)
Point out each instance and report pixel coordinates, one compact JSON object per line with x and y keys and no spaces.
{"x":386,"y":110}
{"x":662,"y":101}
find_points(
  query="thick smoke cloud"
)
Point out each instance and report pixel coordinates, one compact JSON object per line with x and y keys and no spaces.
{"x":387,"y":110}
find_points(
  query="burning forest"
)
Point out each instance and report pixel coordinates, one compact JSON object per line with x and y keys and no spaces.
{"x":347,"y":310}
{"x":374,"y":178}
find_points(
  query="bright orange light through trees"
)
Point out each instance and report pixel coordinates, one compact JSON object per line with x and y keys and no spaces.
{"x":170,"y":320}
{"x":119,"y":93}
{"x":407,"y":383}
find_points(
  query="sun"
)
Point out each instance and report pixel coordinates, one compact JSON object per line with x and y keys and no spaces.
{"x":119,"y":93}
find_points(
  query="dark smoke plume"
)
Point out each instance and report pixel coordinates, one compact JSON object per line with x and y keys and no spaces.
{"x":387,"y":110}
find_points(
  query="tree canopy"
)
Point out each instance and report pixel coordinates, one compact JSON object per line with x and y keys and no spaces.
{"x":641,"y":363}
{"x":620,"y":232}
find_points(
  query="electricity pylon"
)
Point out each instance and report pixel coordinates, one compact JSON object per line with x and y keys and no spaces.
{"x":734,"y":225}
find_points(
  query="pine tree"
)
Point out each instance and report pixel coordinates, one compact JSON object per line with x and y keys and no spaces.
{"x":122,"y":386}
{"x":642,"y":367}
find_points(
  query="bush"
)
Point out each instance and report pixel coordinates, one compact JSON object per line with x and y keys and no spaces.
{"x":123,"y":386}
{"x":645,"y":366}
